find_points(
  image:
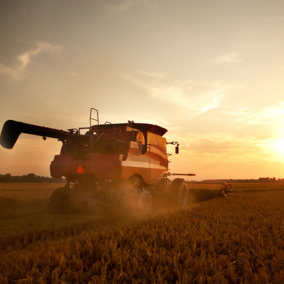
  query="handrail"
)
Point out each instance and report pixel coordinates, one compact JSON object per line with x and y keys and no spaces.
{"x":94,"y":118}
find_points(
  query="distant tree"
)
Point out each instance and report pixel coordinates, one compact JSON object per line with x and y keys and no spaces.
{"x":29,"y":179}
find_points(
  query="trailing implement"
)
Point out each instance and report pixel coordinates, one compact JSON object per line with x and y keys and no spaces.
{"x":109,"y":162}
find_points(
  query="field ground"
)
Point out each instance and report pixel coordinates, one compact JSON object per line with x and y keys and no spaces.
{"x":239,"y":239}
{"x":25,"y":215}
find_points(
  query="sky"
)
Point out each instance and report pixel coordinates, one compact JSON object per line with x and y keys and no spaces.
{"x":211,"y":72}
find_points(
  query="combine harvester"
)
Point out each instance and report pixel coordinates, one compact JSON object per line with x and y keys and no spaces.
{"x":130,"y":156}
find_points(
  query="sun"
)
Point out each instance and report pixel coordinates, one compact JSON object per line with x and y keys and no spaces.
{"x":279,"y":146}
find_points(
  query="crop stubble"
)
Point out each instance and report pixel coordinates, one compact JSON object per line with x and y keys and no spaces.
{"x":239,"y":239}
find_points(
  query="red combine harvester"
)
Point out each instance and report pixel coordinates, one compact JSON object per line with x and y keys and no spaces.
{"x":108,"y":156}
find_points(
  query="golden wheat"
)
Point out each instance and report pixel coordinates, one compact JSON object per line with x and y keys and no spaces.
{"x":26,"y":191}
{"x":239,"y":239}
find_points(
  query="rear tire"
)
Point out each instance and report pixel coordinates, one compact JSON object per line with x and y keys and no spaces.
{"x":56,"y":199}
{"x":57,"y":195}
{"x":131,"y":198}
{"x":160,"y":193}
{"x":178,"y":193}
{"x":164,"y":184}
{"x":62,"y":202}
{"x":144,"y":202}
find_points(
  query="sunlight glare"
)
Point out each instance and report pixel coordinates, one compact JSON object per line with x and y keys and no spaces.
{"x":279,"y":147}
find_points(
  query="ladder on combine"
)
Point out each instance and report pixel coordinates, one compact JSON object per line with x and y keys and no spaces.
{"x":91,"y":118}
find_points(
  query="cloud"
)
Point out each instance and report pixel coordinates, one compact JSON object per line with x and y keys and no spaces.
{"x":156,"y":75}
{"x":125,"y":5}
{"x":122,"y":5}
{"x":178,"y":94}
{"x":6,"y":70}
{"x":216,"y":143}
{"x":196,"y":97}
{"x":25,"y":58}
{"x":239,"y":112}
{"x":264,"y":116}
{"x":230,"y":147}
{"x":228,"y":58}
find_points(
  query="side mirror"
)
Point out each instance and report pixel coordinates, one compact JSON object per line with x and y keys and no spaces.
{"x":177,"y":149}
{"x":175,"y":143}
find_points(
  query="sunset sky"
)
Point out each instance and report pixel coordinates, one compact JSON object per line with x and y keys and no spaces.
{"x":211,"y":72}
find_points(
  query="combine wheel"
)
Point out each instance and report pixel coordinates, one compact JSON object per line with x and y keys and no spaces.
{"x":131,"y":198}
{"x":144,"y":202}
{"x":178,"y":193}
{"x":160,"y":193}
{"x":141,"y":196}
{"x":164,"y":184}
{"x":226,"y":189}
{"x":62,"y":201}
{"x":57,"y":195}
{"x":58,"y":199}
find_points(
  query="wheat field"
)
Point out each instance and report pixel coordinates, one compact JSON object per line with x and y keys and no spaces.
{"x":239,"y":239}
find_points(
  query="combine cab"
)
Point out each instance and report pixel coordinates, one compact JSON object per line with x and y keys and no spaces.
{"x":131,"y":157}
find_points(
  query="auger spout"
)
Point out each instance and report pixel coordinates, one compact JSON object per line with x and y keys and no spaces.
{"x":12,"y":129}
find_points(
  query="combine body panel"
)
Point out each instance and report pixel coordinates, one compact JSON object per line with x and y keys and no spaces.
{"x":113,"y":152}
{"x":105,"y":155}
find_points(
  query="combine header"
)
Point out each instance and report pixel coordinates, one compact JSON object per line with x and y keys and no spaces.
{"x":132,"y":156}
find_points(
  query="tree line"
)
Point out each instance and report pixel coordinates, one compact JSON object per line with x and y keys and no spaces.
{"x":29,"y":178}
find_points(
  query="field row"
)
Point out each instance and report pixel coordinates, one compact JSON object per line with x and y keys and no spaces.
{"x":227,"y":240}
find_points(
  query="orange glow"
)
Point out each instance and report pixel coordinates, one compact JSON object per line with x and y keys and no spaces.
{"x":211,"y":73}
